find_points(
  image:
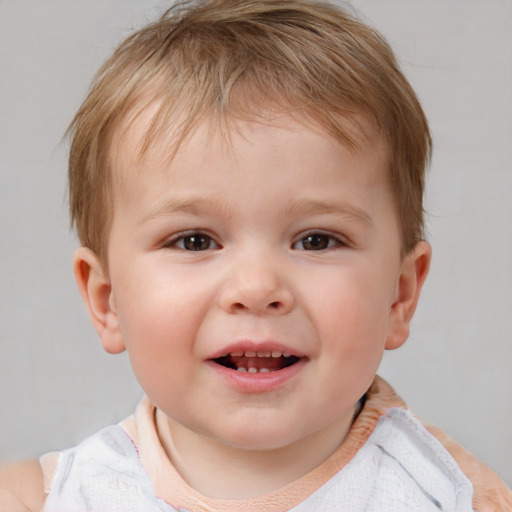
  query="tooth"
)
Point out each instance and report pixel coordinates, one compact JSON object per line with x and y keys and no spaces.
{"x":252,"y":370}
{"x":264,"y":370}
{"x":238,"y":353}
{"x":241,"y":369}
{"x":276,"y":353}
{"x":266,"y":353}
{"x":285,"y":354}
{"x":249,"y":353}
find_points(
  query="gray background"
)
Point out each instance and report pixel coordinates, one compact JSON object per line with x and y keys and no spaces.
{"x":56,"y":384}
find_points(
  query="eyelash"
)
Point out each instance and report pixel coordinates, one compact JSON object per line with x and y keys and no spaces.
{"x":332,"y":241}
{"x":315,"y":239}
{"x":179,"y":241}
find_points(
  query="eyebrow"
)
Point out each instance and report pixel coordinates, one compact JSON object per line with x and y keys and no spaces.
{"x":191,"y":206}
{"x":317,"y":207}
{"x":196,"y":205}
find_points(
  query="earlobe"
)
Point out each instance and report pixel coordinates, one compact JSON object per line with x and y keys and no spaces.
{"x":96,"y":291}
{"x":414,"y":271}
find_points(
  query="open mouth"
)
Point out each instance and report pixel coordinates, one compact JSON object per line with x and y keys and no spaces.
{"x":257,"y":362}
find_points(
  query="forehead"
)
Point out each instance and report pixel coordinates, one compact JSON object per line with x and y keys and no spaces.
{"x":147,"y":138}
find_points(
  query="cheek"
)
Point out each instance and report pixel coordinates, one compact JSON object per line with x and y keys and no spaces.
{"x":352,"y":322}
{"x":159,"y":300}
{"x":159,"y":318}
{"x":354,"y":305}
{"x":351,"y":353}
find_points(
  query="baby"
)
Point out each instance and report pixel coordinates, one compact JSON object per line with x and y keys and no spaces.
{"x":246,"y":180}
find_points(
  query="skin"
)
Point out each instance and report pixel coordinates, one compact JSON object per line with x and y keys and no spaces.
{"x":299,"y":252}
{"x":21,"y":487}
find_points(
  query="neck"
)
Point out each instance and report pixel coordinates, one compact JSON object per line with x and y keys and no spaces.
{"x":219,"y":470}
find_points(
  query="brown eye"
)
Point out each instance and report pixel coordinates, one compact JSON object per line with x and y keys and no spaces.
{"x":316,"y":242}
{"x":195,"y":242}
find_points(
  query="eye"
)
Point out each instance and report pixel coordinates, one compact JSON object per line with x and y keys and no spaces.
{"x":317,"y":242}
{"x":194,"y":242}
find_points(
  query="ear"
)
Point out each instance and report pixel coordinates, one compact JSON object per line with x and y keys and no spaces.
{"x":96,"y":290}
{"x":413,"y":272}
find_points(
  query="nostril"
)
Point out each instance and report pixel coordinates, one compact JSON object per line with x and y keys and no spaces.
{"x":272,"y":306}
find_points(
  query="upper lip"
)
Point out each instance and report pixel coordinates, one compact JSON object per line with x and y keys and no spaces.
{"x":257,"y":347}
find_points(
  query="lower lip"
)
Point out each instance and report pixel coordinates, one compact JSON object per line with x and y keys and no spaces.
{"x":246,"y":382}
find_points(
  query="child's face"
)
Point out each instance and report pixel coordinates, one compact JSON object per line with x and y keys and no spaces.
{"x":280,"y":241}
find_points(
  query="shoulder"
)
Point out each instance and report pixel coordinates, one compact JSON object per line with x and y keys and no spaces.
{"x":414,"y":467}
{"x":491,"y":494}
{"x":103,"y":470}
{"x":21,"y":487}
{"x":108,"y":450}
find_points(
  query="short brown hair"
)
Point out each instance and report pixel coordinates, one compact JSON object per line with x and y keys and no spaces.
{"x":220,"y":58}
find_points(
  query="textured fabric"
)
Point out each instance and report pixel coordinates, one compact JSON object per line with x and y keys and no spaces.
{"x":491,"y":494}
{"x":388,"y":461}
{"x":103,"y":474}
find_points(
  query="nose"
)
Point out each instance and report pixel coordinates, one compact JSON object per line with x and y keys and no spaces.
{"x":256,"y":287}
